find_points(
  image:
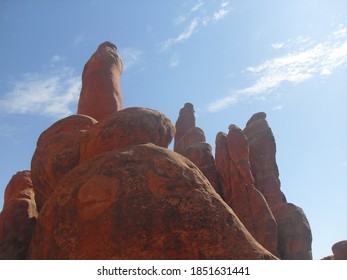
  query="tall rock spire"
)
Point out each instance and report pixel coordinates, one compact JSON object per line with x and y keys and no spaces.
{"x":100,"y":93}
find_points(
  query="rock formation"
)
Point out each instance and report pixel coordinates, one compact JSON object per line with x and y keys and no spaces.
{"x":340,"y":250}
{"x":107,"y":187}
{"x":237,"y":184}
{"x":190,"y":142}
{"x":130,"y":126}
{"x":57,"y":153}
{"x":134,"y":203}
{"x":18,"y":217}
{"x":100,"y":93}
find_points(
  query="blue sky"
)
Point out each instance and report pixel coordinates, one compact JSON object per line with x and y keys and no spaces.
{"x":230,"y":59}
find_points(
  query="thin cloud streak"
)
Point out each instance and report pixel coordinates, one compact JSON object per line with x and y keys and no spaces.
{"x":195,"y":22}
{"x":50,"y":94}
{"x":297,"y":66}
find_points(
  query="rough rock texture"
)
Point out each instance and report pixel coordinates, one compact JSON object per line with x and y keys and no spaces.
{"x":262,"y":148}
{"x":100,"y":93}
{"x":294,"y":232}
{"x":57,"y":152}
{"x":190,"y":142}
{"x":340,"y":250}
{"x":185,"y":122}
{"x":237,"y":184}
{"x":127,"y":127}
{"x":18,"y":217}
{"x":140,"y":202}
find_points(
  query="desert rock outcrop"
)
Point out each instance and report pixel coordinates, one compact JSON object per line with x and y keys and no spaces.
{"x":140,"y":202}
{"x":57,"y":153}
{"x":101,"y":93}
{"x":18,"y":217}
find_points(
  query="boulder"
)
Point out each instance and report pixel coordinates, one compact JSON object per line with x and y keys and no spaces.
{"x":57,"y":153}
{"x":101,"y":94}
{"x":340,"y":250}
{"x":127,"y":127}
{"x":18,"y":217}
{"x":139,"y":202}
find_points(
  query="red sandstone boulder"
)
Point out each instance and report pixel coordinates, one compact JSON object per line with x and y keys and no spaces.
{"x":247,"y":202}
{"x":18,"y":217}
{"x":100,"y":93}
{"x":294,"y":232}
{"x":340,"y":250}
{"x":264,"y":168}
{"x":140,"y":202}
{"x":127,"y":127}
{"x":57,"y":153}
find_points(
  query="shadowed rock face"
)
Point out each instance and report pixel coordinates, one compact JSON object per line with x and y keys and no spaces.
{"x":190,"y":142}
{"x":101,"y":93}
{"x":294,"y":232}
{"x":140,"y":202}
{"x":340,"y":250}
{"x":262,"y":147}
{"x":238,"y":191}
{"x":18,"y":217}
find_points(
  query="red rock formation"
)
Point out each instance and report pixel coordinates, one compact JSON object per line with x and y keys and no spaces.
{"x":57,"y":153}
{"x":185,"y":122}
{"x":18,"y":217}
{"x":294,"y":232}
{"x":340,"y":250}
{"x":262,"y":148}
{"x":190,"y":142}
{"x":100,"y":93}
{"x":127,"y":127}
{"x":238,"y":188}
{"x":139,"y":202}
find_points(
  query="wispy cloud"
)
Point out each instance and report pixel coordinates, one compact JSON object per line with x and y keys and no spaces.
{"x":277,"y":46}
{"x":277,"y":108}
{"x":195,"y":20}
{"x":51,"y":94}
{"x":298,"y":65}
{"x":222,"y":12}
{"x":183,"y":36}
{"x":130,"y":57}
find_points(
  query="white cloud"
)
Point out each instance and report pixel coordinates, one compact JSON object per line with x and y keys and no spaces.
{"x":318,"y":60}
{"x":277,"y":46}
{"x":197,"y":6}
{"x":130,"y":57}
{"x":185,"y":35}
{"x":222,"y":12}
{"x":44,"y":94}
{"x":277,"y":108}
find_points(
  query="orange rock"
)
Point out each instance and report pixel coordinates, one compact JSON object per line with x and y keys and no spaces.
{"x":18,"y":217}
{"x":139,"y":202}
{"x":264,"y":168}
{"x":237,"y":184}
{"x":185,"y":122}
{"x":57,"y":153}
{"x":190,"y":142}
{"x":127,"y":127}
{"x":294,"y":232}
{"x":100,"y":93}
